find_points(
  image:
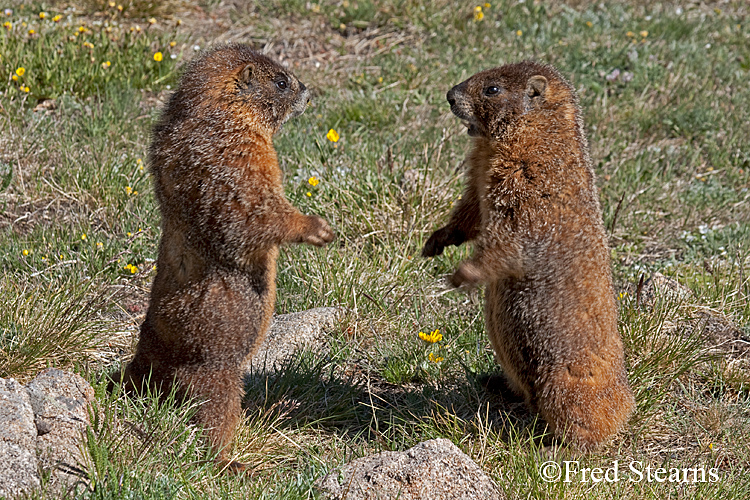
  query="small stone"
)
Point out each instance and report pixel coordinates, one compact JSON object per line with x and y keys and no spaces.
{"x":432,"y":470}
{"x":290,"y":333}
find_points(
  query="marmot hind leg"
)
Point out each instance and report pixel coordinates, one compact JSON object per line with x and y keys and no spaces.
{"x":585,"y":411}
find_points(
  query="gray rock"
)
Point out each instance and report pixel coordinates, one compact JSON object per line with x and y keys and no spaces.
{"x":19,"y":471}
{"x":432,"y":470}
{"x":60,"y":401}
{"x":290,"y":333}
{"x":41,"y":429}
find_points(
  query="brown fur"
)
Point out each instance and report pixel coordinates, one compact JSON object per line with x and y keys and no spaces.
{"x":224,"y":215}
{"x":532,"y":208}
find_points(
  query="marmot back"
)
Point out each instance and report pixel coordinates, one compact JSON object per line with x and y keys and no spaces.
{"x":532,"y":208}
{"x":224,"y":215}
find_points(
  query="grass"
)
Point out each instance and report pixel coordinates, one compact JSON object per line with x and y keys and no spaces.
{"x":664,"y":93}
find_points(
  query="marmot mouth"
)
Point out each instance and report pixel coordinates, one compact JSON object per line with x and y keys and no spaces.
{"x":471,"y":129}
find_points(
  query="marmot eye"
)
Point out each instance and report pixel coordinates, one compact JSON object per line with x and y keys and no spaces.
{"x":491,"y":90}
{"x":281,"y":84}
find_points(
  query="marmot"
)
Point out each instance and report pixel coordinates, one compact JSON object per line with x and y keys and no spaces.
{"x":531,"y":205}
{"x":218,"y":185}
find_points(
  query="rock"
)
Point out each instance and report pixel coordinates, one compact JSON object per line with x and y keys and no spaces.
{"x":290,"y":333}
{"x":41,"y":428}
{"x":19,"y":472}
{"x":432,"y":470}
{"x":662,"y":286}
{"x":60,"y":401}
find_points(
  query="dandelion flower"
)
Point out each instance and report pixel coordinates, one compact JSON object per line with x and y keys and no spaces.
{"x":25,"y":252}
{"x":332,"y":136}
{"x":630,"y":34}
{"x":308,"y":193}
{"x":26,"y":89}
{"x":158,"y":57}
{"x":313,"y":181}
{"x":31,"y":32}
{"x":152,"y":20}
{"x":129,"y":234}
{"x":42,"y":15}
{"x":431,"y":337}
{"x":128,"y":190}
{"x":172,"y":44}
{"x":8,"y":25}
{"x":119,"y":7}
{"x":487,"y":5}
{"x":589,"y":24}
{"x":106,"y":64}
{"x":519,"y":33}
{"x":478,"y":14}
{"x":14,"y":78}
{"x":57,"y":18}
{"x":84,"y":237}
{"x":21,"y":71}
{"x":435,"y":359}
{"x":643,"y":33}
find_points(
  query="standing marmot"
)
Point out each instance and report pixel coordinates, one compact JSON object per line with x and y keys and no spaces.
{"x":224,"y":215}
{"x":531,"y":205}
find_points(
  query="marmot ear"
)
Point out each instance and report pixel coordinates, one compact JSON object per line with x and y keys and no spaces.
{"x":536,"y":86}
{"x":247,"y":73}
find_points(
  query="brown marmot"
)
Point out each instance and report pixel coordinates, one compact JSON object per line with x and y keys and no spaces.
{"x":532,"y":208}
{"x":224,"y":215}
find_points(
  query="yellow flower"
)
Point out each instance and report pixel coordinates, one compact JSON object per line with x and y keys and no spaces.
{"x":129,"y":234}
{"x":478,"y":14}
{"x":88,"y":45}
{"x":31,"y":32}
{"x":8,"y":25}
{"x":81,"y":29}
{"x":630,"y":34}
{"x":644,"y":33}
{"x":313,"y":181}
{"x":622,"y":295}
{"x":589,"y":24}
{"x":99,"y":244}
{"x":431,"y":337}
{"x":42,"y":15}
{"x":25,"y":252}
{"x":332,"y":136}
{"x":111,"y":4}
{"x":26,"y":89}
{"x":519,"y":33}
{"x":106,"y":64}
{"x":435,"y":359}
{"x":487,"y":5}
{"x":172,"y":44}
{"x":84,"y":237}
{"x":158,"y":57}
{"x":128,"y":190}
{"x":21,"y":71}
{"x":57,"y":18}
{"x":119,"y":7}
{"x":14,"y":78}
{"x":152,"y":20}
{"x":308,"y":193}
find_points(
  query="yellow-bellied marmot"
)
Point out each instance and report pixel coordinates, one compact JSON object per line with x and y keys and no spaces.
{"x":532,"y":208}
{"x":224,"y":215}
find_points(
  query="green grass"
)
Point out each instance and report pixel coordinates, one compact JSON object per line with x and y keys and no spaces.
{"x":669,"y":142}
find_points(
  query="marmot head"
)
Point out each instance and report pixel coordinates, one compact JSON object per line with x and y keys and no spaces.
{"x":251,"y":87}
{"x":492,"y":101}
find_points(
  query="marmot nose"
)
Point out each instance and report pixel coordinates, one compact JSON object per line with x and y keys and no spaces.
{"x":451,"y":99}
